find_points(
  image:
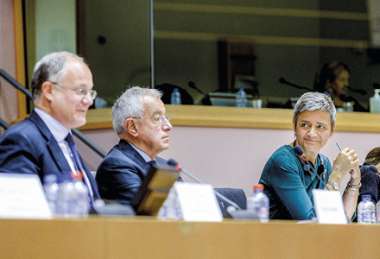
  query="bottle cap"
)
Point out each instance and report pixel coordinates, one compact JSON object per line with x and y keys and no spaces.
{"x":258,"y":187}
{"x":50,"y":178}
{"x":366,"y":197}
{"x":77,"y":175}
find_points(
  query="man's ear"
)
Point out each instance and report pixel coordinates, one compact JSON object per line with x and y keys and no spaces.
{"x":46,"y":90}
{"x":130,"y":126}
{"x":332,"y":131}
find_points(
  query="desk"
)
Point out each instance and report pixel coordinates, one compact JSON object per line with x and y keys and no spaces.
{"x":149,"y":238}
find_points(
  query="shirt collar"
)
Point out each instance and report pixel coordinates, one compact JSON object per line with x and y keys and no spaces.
{"x":56,"y":128}
{"x":144,"y":155}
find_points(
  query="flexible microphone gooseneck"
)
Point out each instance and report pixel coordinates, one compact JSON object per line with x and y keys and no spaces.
{"x":192,"y":85}
{"x":283,"y":81}
{"x":174,"y":163}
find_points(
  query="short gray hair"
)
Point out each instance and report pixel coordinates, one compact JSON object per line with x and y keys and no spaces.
{"x":50,"y":68}
{"x":130,"y":104}
{"x":315,"y":101}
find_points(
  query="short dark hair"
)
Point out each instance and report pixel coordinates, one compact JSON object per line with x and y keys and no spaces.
{"x":50,"y":67}
{"x":373,"y":157}
{"x":330,"y":72}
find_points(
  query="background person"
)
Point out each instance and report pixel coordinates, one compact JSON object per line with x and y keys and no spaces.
{"x":334,"y":80}
{"x":370,"y":175}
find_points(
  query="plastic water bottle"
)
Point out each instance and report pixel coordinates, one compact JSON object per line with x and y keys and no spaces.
{"x":175,"y":97}
{"x":82,"y":202}
{"x":378,"y":212}
{"x":374,"y":102}
{"x":366,"y":210}
{"x":258,"y":203}
{"x":66,"y":199}
{"x":171,"y":208}
{"x":51,"y":191}
{"x":241,"y":98}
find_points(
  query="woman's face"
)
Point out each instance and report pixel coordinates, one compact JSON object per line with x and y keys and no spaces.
{"x":312,"y":130}
{"x":341,"y":83}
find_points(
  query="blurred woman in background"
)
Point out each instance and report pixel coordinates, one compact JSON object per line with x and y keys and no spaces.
{"x":334,"y":80}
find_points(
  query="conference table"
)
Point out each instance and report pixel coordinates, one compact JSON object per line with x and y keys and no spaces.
{"x":99,"y":237}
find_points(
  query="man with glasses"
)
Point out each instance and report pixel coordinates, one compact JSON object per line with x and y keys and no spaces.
{"x":139,"y":119}
{"x":42,"y":144}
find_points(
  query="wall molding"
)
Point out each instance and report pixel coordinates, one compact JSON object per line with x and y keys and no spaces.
{"x":262,"y":11}
{"x":260,"y":39}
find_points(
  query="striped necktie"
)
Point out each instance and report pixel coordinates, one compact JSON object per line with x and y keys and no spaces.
{"x":78,"y":165}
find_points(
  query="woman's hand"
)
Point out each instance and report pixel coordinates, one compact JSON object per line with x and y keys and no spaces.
{"x":347,"y":161}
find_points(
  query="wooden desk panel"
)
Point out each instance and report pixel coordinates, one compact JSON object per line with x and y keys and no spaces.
{"x":52,"y":239}
{"x":148,"y":238}
{"x":242,"y":240}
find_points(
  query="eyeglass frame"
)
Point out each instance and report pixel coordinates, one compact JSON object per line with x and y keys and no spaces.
{"x":163,"y":119}
{"x":78,"y":91}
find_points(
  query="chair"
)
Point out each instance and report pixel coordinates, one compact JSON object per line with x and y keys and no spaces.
{"x":235,"y":195}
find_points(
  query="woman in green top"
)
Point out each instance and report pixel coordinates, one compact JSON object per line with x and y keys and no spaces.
{"x":294,"y":170}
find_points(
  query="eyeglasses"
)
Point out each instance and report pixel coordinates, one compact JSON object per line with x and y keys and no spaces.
{"x":82,"y":92}
{"x":159,"y":120}
{"x":162,"y":119}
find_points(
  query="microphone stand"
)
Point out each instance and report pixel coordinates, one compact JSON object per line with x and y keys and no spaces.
{"x":283,"y":81}
{"x":219,"y":195}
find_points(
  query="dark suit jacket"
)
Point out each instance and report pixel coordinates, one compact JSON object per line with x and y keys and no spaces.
{"x":370,"y":182}
{"x":30,"y":148}
{"x":121,"y":173}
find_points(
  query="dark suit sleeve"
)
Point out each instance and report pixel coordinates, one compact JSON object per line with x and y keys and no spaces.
{"x":118,"y":180}
{"x":17,"y":155}
{"x":370,"y":181}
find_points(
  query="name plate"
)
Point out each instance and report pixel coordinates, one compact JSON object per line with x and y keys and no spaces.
{"x":329,"y":207}
{"x":22,"y":196}
{"x":197,"y":202}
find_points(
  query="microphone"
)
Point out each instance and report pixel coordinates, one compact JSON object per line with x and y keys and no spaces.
{"x":206,"y":98}
{"x":283,"y":81}
{"x":357,"y":90}
{"x":172,"y":162}
{"x":192,"y":85}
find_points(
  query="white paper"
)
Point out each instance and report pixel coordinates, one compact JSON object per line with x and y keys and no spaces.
{"x":22,"y":196}
{"x":329,"y":207}
{"x":198,"y":202}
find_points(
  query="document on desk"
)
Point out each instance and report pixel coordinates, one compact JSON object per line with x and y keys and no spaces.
{"x":329,"y":207}
{"x":22,"y":196}
{"x":198,"y":202}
